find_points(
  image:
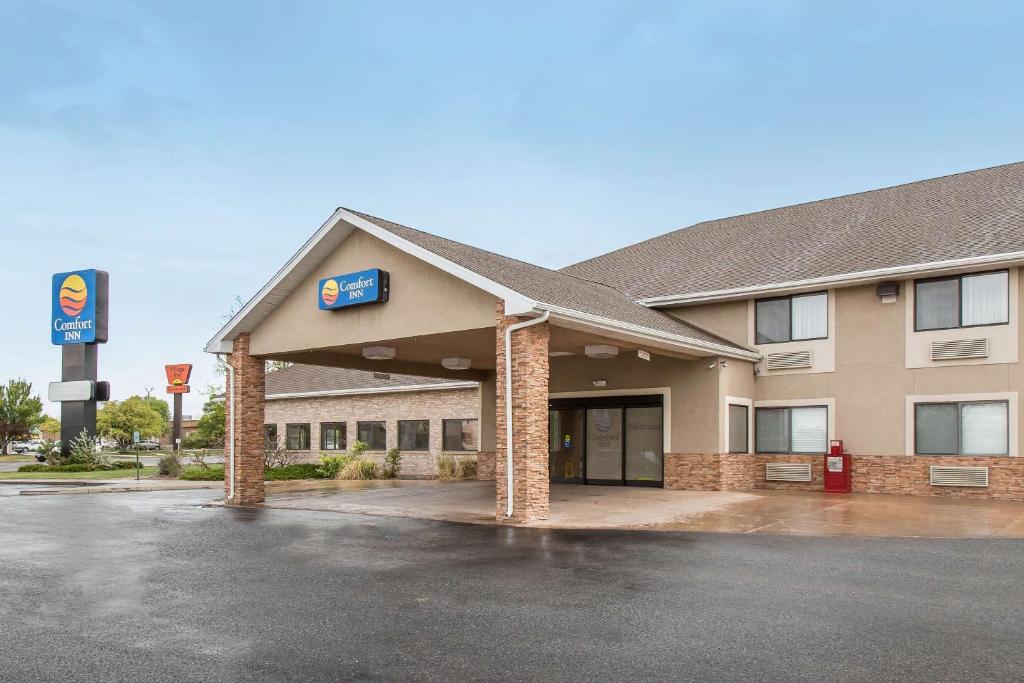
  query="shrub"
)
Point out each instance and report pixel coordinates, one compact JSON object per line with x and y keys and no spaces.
{"x":467,"y":468}
{"x":84,"y":450}
{"x":455,"y":467}
{"x":215,"y":473}
{"x":360,"y":468}
{"x":170,"y":465}
{"x":392,"y":464}
{"x":199,"y":459}
{"x":330,"y":465}
{"x":302,"y":470}
{"x":77,"y":467}
{"x":275,"y":456}
{"x":358,"y":449}
{"x":447,"y":466}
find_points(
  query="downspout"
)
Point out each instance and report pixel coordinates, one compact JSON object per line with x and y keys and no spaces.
{"x":508,"y":403}
{"x":231,"y":426}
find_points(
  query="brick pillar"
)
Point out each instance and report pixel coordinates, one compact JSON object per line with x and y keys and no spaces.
{"x":529,"y":420}
{"x":250,"y":391}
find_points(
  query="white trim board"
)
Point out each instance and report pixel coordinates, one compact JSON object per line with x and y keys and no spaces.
{"x":843,"y":280}
{"x":666,"y":401}
{"x":327,"y":393}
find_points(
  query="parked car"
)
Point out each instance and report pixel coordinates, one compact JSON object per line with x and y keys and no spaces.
{"x":148,"y":445}
{"x":20,"y":447}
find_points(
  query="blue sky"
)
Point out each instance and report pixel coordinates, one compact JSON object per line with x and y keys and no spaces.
{"x":190,"y":147}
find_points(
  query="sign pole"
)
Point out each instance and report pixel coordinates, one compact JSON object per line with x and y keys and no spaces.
{"x":176,"y":428}
{"x":78,"y":362}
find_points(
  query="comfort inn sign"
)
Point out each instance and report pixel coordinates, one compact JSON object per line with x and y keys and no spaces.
{"x":79,"y":308}
{"x":354,"y":289}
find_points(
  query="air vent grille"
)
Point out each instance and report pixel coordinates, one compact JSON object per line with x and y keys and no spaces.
{"x":952,"y":349}
{"x":788,"y":360}
{"x":959,"y":476}
{"x":779,"y":471}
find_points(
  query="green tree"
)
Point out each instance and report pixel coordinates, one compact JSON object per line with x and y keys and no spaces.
{"x":159,"y":405}
{"x":20,"y":412}
{"x":117,"y":420}
{"x":209,"y":431}
{"x":50,"y":425}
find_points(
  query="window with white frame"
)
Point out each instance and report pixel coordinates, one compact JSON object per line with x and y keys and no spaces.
{"x":962,"y":428}
{"x":791,"y":318}
{"x":791,"y":430}
{"x":962,"y":301}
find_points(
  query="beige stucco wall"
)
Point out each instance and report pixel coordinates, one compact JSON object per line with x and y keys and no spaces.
{"x":727,"y":319}
{"x":423,"y":301}
{"x":691,"y":401}
{"x":874,"y":370}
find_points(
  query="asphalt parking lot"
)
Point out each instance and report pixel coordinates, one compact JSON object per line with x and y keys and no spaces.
{"x":153,"y":586}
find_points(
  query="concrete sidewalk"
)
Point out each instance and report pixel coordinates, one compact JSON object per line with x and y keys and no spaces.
{"x":56,"y":487}
{"x":616,"y":507}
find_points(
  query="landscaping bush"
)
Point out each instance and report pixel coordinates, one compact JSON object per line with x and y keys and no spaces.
{"x":455,"y":467}
{"x":360,"y":468}
{"x":77,"y":467}
{"x":211,"y":473}
{"x":330,"y":465}
{"x":274,"y":456}
{"x":170,"y":465}
{"x":301,"y":470}
{"x":392,"y":464}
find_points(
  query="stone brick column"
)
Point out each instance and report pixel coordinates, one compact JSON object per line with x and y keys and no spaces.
{"x":250,"y":393}
{"x":529,"y":421}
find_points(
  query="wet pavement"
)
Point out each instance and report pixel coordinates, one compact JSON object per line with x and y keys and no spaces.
{"x":152,"y":586}
{"x":609,"y":507}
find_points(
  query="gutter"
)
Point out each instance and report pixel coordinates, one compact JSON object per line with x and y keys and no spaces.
{"x":509,"y":490}
{"x":231,"y":427}
{"x":860,"y":277}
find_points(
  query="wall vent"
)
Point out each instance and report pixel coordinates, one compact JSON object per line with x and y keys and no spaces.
{"x":788,"y":360}
{"x":952,"y":349}
{"x":780,"y":471}
{"x":959,"y":476}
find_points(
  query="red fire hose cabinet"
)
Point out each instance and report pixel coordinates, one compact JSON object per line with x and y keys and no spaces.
{"x":838,"y":477}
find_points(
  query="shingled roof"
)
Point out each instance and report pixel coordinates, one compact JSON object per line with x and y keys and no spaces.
{"x":307,"y":379}
{"x":550,"y":287}
{"x":973,"y":214}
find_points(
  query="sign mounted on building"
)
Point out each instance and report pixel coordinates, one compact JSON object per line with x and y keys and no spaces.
{"x":79,"y":307}
{"x":354,"y":289}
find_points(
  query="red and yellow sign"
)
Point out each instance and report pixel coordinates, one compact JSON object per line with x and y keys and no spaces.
{"x":177,"y":378}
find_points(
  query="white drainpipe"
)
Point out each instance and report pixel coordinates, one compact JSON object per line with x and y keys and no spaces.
{"x":231,"y":427}
{"x":508,"y":403}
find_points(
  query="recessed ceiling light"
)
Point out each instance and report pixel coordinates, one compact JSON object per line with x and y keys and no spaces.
{"x":379,"y":352}
{"x":601,"y":351}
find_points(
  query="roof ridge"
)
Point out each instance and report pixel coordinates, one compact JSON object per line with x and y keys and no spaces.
{"x":793,"y":206}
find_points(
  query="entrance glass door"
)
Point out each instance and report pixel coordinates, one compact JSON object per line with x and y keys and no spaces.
{"x":604,"y":445}
{"x":644,"y":443}
{"x":565,"y":445}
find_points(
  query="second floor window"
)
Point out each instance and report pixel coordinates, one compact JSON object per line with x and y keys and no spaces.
{"x":791,"y":318}
{"x":962,"y":301}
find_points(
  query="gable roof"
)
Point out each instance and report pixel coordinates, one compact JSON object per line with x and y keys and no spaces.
{"x":313,"y":380}
{"x":964,"y":218}
{"x":525,"y":288}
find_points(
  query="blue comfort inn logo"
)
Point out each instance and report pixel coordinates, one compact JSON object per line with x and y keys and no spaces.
{"x":354,"y":289}
{"x":79,"y":307}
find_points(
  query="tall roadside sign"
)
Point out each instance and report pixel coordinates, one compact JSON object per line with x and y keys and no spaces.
{"x":78,"y":325}
{"x":177,"y":384}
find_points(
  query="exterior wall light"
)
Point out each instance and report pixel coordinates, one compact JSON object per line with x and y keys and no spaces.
{"x":601,"y":351}
{"x":379,"y":352}
{"x":455,"y":363}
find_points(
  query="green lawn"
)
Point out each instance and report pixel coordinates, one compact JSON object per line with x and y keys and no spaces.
{"x":17,"y":458}
{"x":104,"y":474}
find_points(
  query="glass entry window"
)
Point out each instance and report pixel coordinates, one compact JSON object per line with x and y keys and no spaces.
{"x":604,"y":440}
{"x":565,"y":445}
{"x":604,"y":445}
